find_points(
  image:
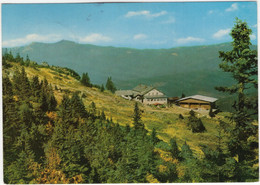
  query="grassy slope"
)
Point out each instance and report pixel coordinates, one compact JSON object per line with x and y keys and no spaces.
{"x":165,"y":120}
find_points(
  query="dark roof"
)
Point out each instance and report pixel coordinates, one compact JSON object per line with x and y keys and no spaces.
{"x":143,"y":89}
{"x":200,"y":97}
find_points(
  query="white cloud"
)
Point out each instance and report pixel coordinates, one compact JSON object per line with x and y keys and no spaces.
{"x":169,"y":21}
{"x":31,"y":38}
{"x":210,"y":12}
{"x":95,"y":37}
{"x":189,"y":39}
{"x":140,"y":36}
{"x":144,"y":13}
{"x":254,"y":26}
{"x":252,"y":37}
{"x":221,"y":33}
{"x":232,"y":8}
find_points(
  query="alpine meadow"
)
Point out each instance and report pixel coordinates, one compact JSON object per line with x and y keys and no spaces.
{"x":80,"y":112}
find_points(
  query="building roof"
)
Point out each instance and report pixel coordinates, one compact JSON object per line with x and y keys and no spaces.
{"x":126,"y":93}
{"x":143,"y":89}
{"x":200,"y":97}
{"x":173,"y":98}
{"x":155,"y":96}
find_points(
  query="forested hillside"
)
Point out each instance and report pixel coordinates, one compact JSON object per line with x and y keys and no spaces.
{"x":57,"y":129}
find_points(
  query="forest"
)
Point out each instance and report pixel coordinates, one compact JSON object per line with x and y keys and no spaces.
{"x":51,"y":141}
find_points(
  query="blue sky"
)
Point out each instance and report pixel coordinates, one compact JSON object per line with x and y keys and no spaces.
{"x":136,"y":25}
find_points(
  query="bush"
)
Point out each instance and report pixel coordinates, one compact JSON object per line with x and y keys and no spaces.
{"x":195,"y":124}
{"x":181,"y":116}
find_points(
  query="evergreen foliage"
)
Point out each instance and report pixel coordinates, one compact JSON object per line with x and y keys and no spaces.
{"x":195,"y":124}
{"x":47,"y":142}
{"x":175,"y":152}
{"x":241,"y":63}
{"x":137,"y":118}
{"x":102,"y":88}
{"x":85,"y":80}
{"x":110,"y":85}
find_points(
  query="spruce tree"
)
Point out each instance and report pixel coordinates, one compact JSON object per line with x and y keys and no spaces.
{"x":174,"y":149}
{"x":36,"y":87}
{"x":102,"y":88}
{"x":241,"y":63}
{"x":52,"y":104}
{"x":78,"y":106}
{"x":137,"y":118}
{"x":85,"y":80}
{"x":186,"y":152}
{"x":7,"y":86}
{"x":44,"y":105}
{"x":110,"y":85}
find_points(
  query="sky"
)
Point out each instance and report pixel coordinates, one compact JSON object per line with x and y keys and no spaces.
{"x":135,"y":25}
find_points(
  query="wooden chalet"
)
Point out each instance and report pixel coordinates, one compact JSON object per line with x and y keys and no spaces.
{"x":197,"y":102}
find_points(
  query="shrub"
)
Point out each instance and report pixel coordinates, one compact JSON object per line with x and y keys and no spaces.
{"x":195,"y":124}
{"x":181,"y":116}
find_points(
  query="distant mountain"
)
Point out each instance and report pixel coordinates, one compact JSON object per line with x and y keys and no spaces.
{"x":188,"y":70}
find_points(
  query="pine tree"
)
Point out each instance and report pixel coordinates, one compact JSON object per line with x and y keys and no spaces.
{"x":102,"y":88}
{"x":154,"y":138}
{"x":103,"y":116}
{"x":186,"y":152}
{"x":7,"y":86}
{"x":110,"y":85}
{"x":93,"y":110}
{"x":195,"y":124}
{"x":174,"y":149}
{"x":241,"y":63}
{"x":78,"y":106}
{"x":52,"y":104}
{"x":137,"y":118}
{"x":85,"y":80}
{"x":36,"y":87}
{"x":19,"y":59}
{"x":44,"y":105}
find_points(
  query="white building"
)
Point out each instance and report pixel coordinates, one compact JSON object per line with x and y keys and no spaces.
{"x":145,"y":94}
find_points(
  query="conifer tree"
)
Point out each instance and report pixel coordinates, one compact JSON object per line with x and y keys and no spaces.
{"x":19,"y":59}
{"x":77,"y":106}
{"x":154,"y":138}
{"x":110,"y":85}
{"x":7,"y":86}
{"x":137,"y":118}
{"x":85,"y":80}
{"x":93,"y":110}
{"x":44,"y":105}
{"x":174,"y":149}
{"x":194,"y":123}
{"x":186,"y":152}
{"x":102,"y":88}
{"x":52,"y":103}
{"x":36,"y":87}
{"x":103,"y":116}
{"x":241,"y":63}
